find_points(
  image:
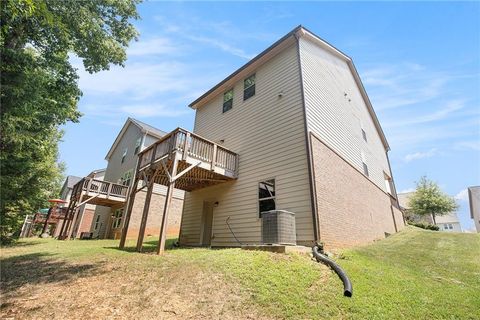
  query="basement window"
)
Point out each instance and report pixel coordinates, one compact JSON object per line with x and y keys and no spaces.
{"x":227,"y":100}
{"x":266,"y":196}
{"x":249,"y":87}
{"x":124,"y":154}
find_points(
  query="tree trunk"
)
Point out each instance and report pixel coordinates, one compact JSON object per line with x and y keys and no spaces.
{"x":433,"y":217}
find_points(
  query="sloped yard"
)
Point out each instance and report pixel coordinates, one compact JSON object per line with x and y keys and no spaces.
{"x":414,"y":274}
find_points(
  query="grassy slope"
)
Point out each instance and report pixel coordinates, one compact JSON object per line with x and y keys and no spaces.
{"x":413,"y":274}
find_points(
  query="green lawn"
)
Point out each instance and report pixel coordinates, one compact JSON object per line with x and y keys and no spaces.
{"x":415,"y":274}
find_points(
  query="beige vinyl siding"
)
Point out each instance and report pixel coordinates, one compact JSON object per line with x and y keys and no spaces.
{"x":334,"y":119}
{"x":115,"y":167}
{"x":268,"y":133}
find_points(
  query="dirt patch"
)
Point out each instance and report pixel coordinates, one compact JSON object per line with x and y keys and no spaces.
{"x":108,"y":290}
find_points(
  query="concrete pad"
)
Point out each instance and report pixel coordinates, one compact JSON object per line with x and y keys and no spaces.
{"x":278,"y":248}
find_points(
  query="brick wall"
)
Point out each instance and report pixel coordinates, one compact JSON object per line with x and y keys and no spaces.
{"x":86,"y":221}
{"x":154,"y":220}
{"x":351,"y":209}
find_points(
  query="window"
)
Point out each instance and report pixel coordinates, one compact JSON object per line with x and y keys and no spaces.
{"x":126,"y":178}
{"x":266,"y":195}
{"x":388,"y":183}
{"x":124,"y":154}
{"x":137,"y":146}
{"x":364,"y":162}
{"x":97,"y":223}
{"x":364,"y":135}
{"x":227,"y":100}
{"x":117,"y":218}
{"x":249,"y":87}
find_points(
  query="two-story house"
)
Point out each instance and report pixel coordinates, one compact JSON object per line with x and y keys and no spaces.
{"x":122,"y":158}
{"x":297,"y":132}
{"x":448,"y":222}
{"x":107,"y":192}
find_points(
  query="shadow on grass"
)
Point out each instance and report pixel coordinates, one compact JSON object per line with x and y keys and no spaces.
{"x":37,"y":269}
{"x":149,"y":246}
{"x":21,"y":243}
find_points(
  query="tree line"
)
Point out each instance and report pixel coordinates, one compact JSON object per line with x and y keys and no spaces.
{"x":39,"y":89}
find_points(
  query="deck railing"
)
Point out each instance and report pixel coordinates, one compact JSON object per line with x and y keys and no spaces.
{"x":190,"y":145}
{"x":106,"y":188}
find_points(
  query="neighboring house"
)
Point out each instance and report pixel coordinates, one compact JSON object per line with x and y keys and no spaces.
{"x":86,"y":211}
{"x":474,"y":200}
{"x":65,"y":194}
{"x":293,"y":129}
{"x":448,"y":222}
{"x":122,"y":157}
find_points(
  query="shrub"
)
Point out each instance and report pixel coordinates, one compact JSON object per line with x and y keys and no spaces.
{"x":426,"y":226}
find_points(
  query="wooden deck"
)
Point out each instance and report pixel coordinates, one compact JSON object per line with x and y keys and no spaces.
{"x":207,"y":162}
{"x":92,"y":191}
{"x":182,"y":160}
{"x":98,"y":192}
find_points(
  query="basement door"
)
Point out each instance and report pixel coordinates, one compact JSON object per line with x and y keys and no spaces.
{"x":207,"y":219}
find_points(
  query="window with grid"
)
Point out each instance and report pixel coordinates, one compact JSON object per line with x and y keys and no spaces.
{"x":117,"y":218}
{"x":249,"y":87}
{"x":126,"y":178}
{"x":266,"y":196}
{"x":227,"y":100}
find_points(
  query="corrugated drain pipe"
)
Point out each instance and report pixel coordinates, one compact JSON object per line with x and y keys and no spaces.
{"x":347,"y":285}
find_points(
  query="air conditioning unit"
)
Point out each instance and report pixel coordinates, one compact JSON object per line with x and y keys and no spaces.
{"x":278,"y":227}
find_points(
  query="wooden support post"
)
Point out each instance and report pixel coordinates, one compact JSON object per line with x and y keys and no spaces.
{"x":214,"y":158}
{"x":128,"y":213}
{"x":166,"y":208}
{"x":186,"y":146}
{"x":146,"y":207}
{"x":72,"y":224}
{"x":109,"y":189}
{"x":45,"y":225}
{"x":66,"y":222}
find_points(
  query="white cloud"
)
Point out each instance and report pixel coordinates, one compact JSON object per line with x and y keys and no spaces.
{"x":407,"y":190}
{"x":152,"y":111}
{"x":404,"y":84}
{"x":440,"y":114}
{"x":222,"y":46}
{"x":472,"y":145}
{"x":138,"y":80}
{"x":153,"y":46}
{"x":420,"y":155}
{"x":134,"y":110}
{"x":462,"y":195}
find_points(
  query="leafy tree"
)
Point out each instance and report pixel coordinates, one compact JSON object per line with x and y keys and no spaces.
{"x":39,"y":90}
{"x":429,"y":199}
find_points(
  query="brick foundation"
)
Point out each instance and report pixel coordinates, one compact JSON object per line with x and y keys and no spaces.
{"x":351,"y":209}
{"x":155,"y":216}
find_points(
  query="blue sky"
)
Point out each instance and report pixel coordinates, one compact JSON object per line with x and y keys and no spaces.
{"x":419,"y":63}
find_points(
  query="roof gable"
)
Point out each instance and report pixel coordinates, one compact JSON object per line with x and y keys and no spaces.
{"x":144,"y":128}
{"x":273,"y":50}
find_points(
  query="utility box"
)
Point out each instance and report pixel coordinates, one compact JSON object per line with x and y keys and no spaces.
{"x":278,"y":227}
